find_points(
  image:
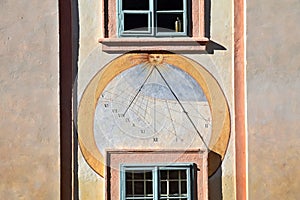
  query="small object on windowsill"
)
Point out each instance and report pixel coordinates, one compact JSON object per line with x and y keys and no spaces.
{"x":178,"y":25}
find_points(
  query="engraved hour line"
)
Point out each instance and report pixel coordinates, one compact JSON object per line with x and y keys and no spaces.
{"x":139,"y":90}
{"x":121,"y":103}
{"x":117,"y":95}
{"x":186,"y":113}
{"x":154,"y":110}
{"x":144,"y":67}
{"x":139,"y":103}
{"x":206,"y":120}
{"x":134,"y":110}
{"x":171,"y":120}
{"x":138,"y":108}
{"x":188,"y":129}
{"x":140,"y":115}
{"x":172,"y":77}
{"x":159,"y":112}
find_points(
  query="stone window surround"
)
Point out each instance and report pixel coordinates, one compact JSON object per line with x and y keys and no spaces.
{"x":115,"y":159}
{"x":114,"y":44}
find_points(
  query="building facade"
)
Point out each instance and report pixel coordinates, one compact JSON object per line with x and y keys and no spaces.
{"x":101,"y":97}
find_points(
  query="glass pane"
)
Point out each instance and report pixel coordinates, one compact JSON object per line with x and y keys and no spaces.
{"x":173,"y":174}
{"x":138,"y":175}
{"x":163,"y":188}
{"x":149,"y":188}
{"x":183,"y":187}
{"x":164,"y":174}
{"x":139,"y":188}
{"x":128,"y":175}
{"x":149,"y":175}
{"x":135,"y":4}
{"x":173,"y":188}
{"x":166,"y":22}
{"x":183,"y":174}
{"x":135,"y":22}
{"x":129,"y":188}
{"x":170,"y":4}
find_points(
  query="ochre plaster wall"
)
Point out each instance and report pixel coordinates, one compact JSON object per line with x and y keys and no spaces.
{"x":273,"y":85}
{"x":29,"y":115}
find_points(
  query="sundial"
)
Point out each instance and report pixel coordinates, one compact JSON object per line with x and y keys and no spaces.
{"x":152,"y":105}
{"x":143,"y":101}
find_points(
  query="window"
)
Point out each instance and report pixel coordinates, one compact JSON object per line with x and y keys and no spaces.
{"x":151,"y":25}
{"x":156,"y":182}
{"x":152,"y":18}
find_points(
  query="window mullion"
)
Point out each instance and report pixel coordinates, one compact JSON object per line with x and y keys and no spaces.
{"x":168,"y":183}
{"x":179,"y":183}
{"x":185,"y":20}
{"x":188,"y":181}
{"x":152,"y":16}
{"x":156,"y":183}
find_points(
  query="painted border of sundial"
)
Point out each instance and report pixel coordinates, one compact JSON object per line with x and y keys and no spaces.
{"x":215,"y":97}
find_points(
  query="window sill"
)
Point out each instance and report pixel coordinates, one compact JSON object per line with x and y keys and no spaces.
{"x":178,"y":44}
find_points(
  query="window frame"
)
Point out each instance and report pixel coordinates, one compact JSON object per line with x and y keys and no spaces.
{"x":152,"y":20}
{"x":194,"y":41}
{"x":156,"y":168}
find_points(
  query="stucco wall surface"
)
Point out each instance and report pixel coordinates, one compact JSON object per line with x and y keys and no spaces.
{"x":273,"y":85}
{"x":219,"y":63}
{"x":29,"y":117}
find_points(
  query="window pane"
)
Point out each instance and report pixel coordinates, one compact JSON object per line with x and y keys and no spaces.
{"x":149,"y":188}
{"x":163,"y":188}
{"x":183,"y":187}
{"x":173,"y":188}
{"x":183,"y":174}
{"x":135,"y":5}
{"x":166,"y":22}
{"x":138,"y":175}
{"x":139,"y":188}
{"x":135,"y":22}
{"x":129,"y":188}
{"x":128,"y":175}
{"x":164,"y":174}
{"x":169,"y":4}
{"x":173,"y":174}
{"x":149,"y":175}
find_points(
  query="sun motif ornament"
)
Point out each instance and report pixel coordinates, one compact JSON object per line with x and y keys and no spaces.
{"x":152,"y":101}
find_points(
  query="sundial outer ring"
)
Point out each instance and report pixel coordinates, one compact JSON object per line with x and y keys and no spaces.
{"x":215,"y":97}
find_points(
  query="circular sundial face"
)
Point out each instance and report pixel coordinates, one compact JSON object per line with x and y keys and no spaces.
{"x":152,"y":105}
{"x":153,"y":101}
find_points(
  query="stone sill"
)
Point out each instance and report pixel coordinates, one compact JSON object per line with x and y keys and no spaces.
{"x":178,"y":44}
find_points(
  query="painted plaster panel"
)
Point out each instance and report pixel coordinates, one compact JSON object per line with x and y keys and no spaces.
{"x":219,"y":64}
{"x":273,"y":81}
{"x":29,"y":115}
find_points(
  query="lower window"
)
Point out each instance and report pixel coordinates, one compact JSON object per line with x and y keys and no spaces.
{"x":156,"y":182}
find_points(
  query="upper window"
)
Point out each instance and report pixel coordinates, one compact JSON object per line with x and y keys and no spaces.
{"x":156,"y":182}
{"x":153,"y":18}
{"x":151,"y":25}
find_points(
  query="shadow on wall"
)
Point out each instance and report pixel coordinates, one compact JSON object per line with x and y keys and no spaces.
{"x":75,"y":54}
{"x":215,"y":180}
{"x":212,"y":45}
